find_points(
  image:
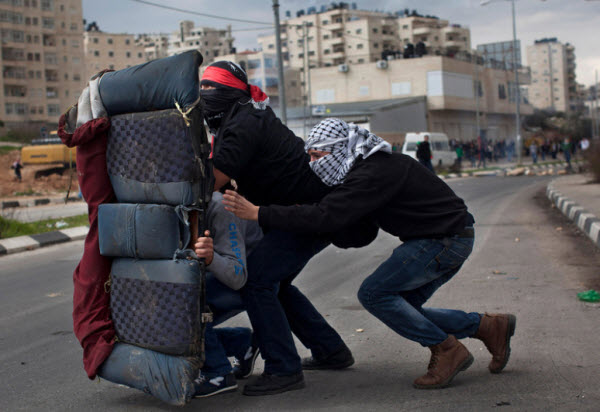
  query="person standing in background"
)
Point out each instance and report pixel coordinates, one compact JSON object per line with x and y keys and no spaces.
{"x":424,"y":153}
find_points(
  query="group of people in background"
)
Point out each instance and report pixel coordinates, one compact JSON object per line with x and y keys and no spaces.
{"x":479,"y":152}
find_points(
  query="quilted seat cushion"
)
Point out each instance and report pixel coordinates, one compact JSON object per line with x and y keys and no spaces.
{"x":150,"y":158}
{"x":155,"y":304}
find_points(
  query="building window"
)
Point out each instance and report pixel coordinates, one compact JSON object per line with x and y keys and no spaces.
{"x":127,"y":41}
{"x":358,"y":31}
{"x":501,"y":92}
{"x":53,"y":109}
{"x":111,"y":54}
{"x":361,"y":60}
{"x":375,"y":30}
{"x":109,"y":40}
{"x":140,"y":55}
{"x":359,"y":46}
{"x":73,"y":26}
{"x":76,"y":77}
{"x":127,"y":54}
{"x":47,"y":22}
{"x":95,"y":40}
{"x":96,"y":53}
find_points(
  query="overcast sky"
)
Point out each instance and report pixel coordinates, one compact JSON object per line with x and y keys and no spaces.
{"x":573,"y":21}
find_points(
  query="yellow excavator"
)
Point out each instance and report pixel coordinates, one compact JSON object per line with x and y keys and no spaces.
{"x":49,"y":151}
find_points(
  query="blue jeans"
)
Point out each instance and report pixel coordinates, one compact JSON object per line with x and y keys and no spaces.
{"x":221,"y":343}
{"x":427,"y":164}
{"x":396,"y":292}
{"x":276,"y":308}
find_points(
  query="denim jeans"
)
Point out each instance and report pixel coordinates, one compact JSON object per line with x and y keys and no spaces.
{"x":427,"y":164}
{"x":396,"y":292}
{"x":221,"y":343}
{"x":276,"y":308}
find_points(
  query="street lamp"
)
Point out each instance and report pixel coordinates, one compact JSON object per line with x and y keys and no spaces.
{"x":519,"y":142}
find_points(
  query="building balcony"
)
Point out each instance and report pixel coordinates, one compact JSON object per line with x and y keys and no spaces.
{"x":454,"y":44}
{"x":422,"y":31}
{"x":333,"y":26}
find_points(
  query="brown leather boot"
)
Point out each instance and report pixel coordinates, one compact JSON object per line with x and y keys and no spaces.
{"x":447,"y":359}
{"x":495,"y":330}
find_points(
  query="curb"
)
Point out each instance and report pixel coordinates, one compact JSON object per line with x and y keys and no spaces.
{"x":587,"y":222}
{"x":23,"y":243}
{"x":504,"y":171}
{"x":36,"y":202}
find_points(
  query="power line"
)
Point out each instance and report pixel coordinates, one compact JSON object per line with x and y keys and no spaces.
{"x":149,"y":3}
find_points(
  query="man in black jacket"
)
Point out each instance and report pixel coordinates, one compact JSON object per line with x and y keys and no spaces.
{"x":424,"y":153}
{"x":270,"y":166}
{"x":436,"y":229}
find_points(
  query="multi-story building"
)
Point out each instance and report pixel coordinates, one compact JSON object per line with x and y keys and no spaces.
{"x":440,"y":37}
{"x":553,"y":85}
{"x":42,"y":60}
{"x":501,"y":52}
{"x":336,"y":36}
{"x":209,"y":41}
{"x":453,"y":90}
{"x":110,"y":51}
{"x":155,"y":45}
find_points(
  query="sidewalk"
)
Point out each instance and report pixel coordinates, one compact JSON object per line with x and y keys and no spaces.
{"x":30,"y":201}
{"x":579,"y":200}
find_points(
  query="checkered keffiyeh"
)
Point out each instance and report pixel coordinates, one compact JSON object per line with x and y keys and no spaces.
{"x":346,"y":142}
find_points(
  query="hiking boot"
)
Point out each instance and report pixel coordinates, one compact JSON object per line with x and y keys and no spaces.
{"x":267,"y":384}
{"x":495,"y":330}
{"x":208,"y":387}
{"x":340,"y":359}
{"x":447,"y":359}
{"x":242,"y":368}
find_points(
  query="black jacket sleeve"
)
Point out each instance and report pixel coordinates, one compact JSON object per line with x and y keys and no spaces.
{"x":367,"y":188}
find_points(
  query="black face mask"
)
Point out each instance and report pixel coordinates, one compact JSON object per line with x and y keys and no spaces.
{"x":218,"y":102}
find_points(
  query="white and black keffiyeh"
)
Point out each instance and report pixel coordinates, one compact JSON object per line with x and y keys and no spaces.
{"x":346,"y":142}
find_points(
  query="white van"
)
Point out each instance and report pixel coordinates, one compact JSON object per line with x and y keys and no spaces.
{"x":442,"y":154}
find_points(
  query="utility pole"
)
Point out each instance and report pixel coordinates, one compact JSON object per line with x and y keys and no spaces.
{"x":304,"y":77}
{"x":280,"y":78}
{"x":477,"y":97}
{"x":517,"y":89}
{"x":595,"y":107}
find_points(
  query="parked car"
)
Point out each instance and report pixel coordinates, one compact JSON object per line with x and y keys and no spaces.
{"x":442,"y":154}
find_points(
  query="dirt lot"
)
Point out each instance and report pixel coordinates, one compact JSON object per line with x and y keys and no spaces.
{"x":47,"y":185}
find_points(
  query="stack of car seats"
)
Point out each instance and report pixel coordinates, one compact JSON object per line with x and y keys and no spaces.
{"x":157,"y":162}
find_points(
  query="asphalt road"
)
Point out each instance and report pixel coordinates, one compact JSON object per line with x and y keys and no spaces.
{"x":555,"y":356}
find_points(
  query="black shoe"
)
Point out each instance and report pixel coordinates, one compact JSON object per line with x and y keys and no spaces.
{"x":267,"y":384}
{"x":338,"y":360}
{"x":243,"y":367}
{"x":205,"y":387}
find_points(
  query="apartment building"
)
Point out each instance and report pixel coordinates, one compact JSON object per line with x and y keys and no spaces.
{"x":553,"y":85}
{"x":155,"y":45}
{"x":212,"y":43}
{"x":110,"y":51}
{"x":502,"y":52}
{"x":454,"y":90}
{"x":348,"y":36}
{"x":440,"y":37}
{"x":42,"y":60}
{"x":336,"y":36}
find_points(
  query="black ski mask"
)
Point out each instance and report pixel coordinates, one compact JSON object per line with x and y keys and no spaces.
{"x":218,"y":102}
